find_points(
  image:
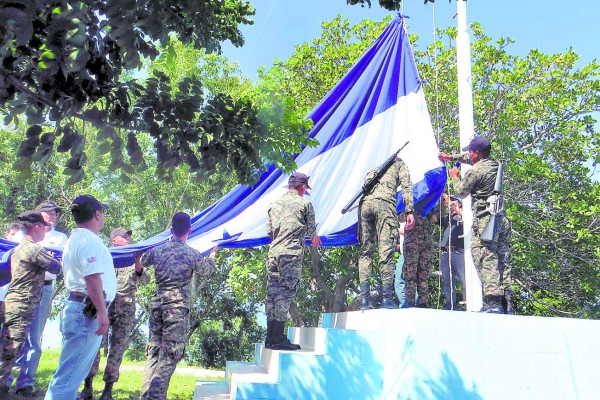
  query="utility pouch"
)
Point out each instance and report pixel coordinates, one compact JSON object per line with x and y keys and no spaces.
{"x":89,"y":311}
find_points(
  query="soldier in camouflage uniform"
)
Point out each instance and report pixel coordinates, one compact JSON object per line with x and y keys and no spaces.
{"x":29,"y":262}
{"x":490,"y":258}
{"x":290,"y":219}
{"x":418,"y":248}
{"x":174,"y":263}
{"x":121,"y":315}
{"x":378,"y":223}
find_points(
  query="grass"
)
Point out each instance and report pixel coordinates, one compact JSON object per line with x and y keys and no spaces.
{"x":130,"y":379}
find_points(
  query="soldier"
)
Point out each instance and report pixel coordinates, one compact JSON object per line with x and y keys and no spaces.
{"x":490,"y":257}
{"x":289,"y":220}
{"x":29,"y":262}
{"x":32,"y":350}
{"x":121,"y":315}
{"x":8,"y":235}
{"x":378,"y":223}
{"x":174,"y":263}
{"x":418,"y":248}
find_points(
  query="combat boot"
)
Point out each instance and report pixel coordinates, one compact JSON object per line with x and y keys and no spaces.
{"x":87,"y":393}
{"x":279,"y":341}
{"x":388,"y":298}
{"x":365,"y":296}
{"x":107,"y":392}
{"x":492,"y":305}
{"x":269,"y":338}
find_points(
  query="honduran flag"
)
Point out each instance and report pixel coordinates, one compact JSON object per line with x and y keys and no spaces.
{"x":376,"y":107}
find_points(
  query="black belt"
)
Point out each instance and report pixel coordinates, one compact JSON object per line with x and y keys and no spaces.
{"x":447,"y":249}
{"x":48,"y":282}
{"x":77,"y":297}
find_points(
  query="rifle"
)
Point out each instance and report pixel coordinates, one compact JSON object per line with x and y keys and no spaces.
{"x":368,"y":186}
{"x":495,"y":205}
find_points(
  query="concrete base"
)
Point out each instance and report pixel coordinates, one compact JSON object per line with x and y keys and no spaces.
{"x":424,"y":354}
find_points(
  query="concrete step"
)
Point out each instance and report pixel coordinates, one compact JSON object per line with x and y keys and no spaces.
{"x":209,"y":390}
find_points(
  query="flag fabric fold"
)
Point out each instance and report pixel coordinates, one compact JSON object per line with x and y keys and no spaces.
{"x":376,"y":107}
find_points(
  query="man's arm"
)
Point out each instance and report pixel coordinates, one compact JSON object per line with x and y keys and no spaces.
{"x":311,"y":226}
{"x":47,"y":261}
{"x":95,"y":291}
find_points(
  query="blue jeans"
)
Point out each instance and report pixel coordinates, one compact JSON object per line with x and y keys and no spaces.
{"x":29,"y":359}
{"x":80,"y":345}
{"x":456,"y":260}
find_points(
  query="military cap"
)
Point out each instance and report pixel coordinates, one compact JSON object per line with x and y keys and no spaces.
{"x":479,"y":143}
{"x":34,"y":217}
{"x":86,"y":202}
{"x":299,"y":177}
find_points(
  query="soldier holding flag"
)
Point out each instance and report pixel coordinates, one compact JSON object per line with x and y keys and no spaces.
{"x":489,"y":256}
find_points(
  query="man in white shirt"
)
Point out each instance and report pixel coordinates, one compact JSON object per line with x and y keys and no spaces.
{"x":32,"y":350}
{"x":90,"y":279}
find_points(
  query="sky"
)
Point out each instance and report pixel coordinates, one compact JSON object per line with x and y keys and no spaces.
{"x":551,"y":26}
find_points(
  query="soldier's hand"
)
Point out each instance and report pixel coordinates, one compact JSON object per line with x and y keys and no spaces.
{"x":316,"y":241}
{"x":443,"y":157}
{"x":103,"y":323}
{"x":453,"y":173}
{"x":410,"y":221}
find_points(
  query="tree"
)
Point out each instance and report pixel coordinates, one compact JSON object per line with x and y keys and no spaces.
{"x":539,"y":111}
{"x":65,"y":62}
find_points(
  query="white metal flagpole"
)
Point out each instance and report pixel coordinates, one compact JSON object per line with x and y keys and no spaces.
{"x":467,"y":132}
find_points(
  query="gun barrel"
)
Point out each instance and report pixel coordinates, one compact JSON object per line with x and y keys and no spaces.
{"x":498,"y":184}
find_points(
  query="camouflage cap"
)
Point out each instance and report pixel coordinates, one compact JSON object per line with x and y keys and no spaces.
{"x":299,"y":177}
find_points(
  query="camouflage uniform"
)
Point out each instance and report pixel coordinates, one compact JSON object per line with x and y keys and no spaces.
{"x":121,"y":314}
{"x":490,"y":258}
{"x":290,"y":219}
{"x":29,"y":262}
{"x":418,"y":248}
{"x":174,"y":266}
{"x":378,"y":222}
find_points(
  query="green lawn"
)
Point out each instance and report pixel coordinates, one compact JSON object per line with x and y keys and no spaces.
{"x":130,"y":379}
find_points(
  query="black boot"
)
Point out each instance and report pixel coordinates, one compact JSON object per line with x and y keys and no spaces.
{"x":279,"y":341}
{"x":493,"y":305}
{"x":269,"y":338}
{"x":87,"y":393}
{"x":507,"y":303}
{"x":365,"y":296}
{"x":107,"y":392}
{"x":388,"y":297}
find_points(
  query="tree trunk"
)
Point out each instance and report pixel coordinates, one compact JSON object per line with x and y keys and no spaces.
{"x":295,"y":314}
{"x":328,"y":297}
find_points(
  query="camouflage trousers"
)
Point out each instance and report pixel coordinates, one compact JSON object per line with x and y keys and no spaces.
{"x":17,"y":321}
{"x":283,"y":276}
{"x":417,"y":267}
{"x":378,"y":225}
{"x":169,"y":328}
{"x":491,"y":259}
{"x":121,"y":316}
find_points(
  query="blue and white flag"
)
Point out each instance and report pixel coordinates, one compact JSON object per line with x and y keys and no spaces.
{"x":364,"y":119}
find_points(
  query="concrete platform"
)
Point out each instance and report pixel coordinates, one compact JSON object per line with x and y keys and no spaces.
{"x":424,"y":354}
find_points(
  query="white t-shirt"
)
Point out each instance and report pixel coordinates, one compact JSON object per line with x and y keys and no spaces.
{"x":54,"y":239}
{"x":84,"y":255}
{"x":3,"y":291}
{"x":402,"y":224}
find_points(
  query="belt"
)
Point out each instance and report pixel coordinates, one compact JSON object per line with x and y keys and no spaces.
{"x":48,"y":282}
{"x":77,"y":296}
{"x":447,"y":249}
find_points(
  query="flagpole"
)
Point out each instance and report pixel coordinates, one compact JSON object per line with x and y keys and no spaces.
{"x":467,"y":131}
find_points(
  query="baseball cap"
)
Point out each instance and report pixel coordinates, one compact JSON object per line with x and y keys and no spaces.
{"x":45,"y":207}
{"x":181,"y":223}
{"x":119,"y":232}
{"x":86,"y":202}
{"x":33,"y":217}
{"x":299,"y":177}
{"x":478,"y":143}
{"x":454,"y":197}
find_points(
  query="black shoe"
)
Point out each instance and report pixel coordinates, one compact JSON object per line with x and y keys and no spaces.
{"x":4,"y":390}
{"x":388,"y":303}
{"x":86,"y":394}
{"x":26,"y":391}
{"x":366,"y":304}
{"x":493,"y":305}
{"x":283,"y":344}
